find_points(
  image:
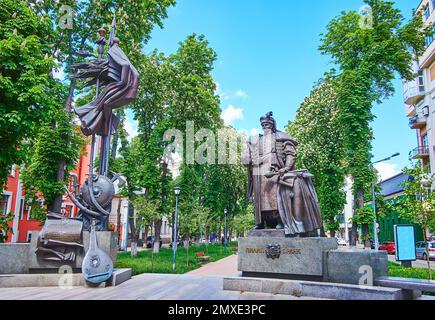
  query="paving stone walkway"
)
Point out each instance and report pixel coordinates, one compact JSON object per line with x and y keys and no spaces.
{"x":144,"y":287}
{"x":205,"y":283}
{"x":224,"y":267}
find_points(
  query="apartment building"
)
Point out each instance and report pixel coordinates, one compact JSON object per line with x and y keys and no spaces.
{"x":419,"y":95}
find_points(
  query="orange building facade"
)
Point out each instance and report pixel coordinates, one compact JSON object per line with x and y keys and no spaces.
{"x":13,"y":201}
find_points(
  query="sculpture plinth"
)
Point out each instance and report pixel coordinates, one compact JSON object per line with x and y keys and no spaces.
{"x":285,"y":258}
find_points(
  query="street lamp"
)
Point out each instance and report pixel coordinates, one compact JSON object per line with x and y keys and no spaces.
{"x":175,"y":239}
{"x":225,"y":230}
{"x":375,"y":222}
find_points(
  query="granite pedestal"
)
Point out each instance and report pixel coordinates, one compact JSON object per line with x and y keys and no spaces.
{"x":19,"y":258}
{"x":285,"y":258}
{"x":266,"y":254}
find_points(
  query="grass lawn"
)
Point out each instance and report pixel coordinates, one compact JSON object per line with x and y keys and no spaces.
{"x":396,"y":270}
{"x":143,"y":263}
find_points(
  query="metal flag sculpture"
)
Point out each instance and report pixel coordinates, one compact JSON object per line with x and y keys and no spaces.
{"x":117,"y":82}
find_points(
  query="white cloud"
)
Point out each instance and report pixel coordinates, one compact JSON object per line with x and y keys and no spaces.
{"x":387,"y":170}
{"x":231,"y":114}
{"x":131,"y":128}
{"x":59,"y":74}
{"x":241,"y":94}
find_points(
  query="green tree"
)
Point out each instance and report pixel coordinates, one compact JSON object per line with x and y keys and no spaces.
{"x":243,"y":223}
{"x":179,"y":88}
{"x":418,"y":203}
{"x":321,"y":148}
{"x":26,"y":80}
{"x":5,"y":219}
{"x":55,"y":140}
{"x":368,"y":59}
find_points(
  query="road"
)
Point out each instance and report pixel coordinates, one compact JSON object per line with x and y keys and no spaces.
{"x":416,"y":264}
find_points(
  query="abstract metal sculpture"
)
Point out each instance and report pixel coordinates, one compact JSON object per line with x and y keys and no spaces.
{"x":119,"y":80}
{"x":61,"y":237}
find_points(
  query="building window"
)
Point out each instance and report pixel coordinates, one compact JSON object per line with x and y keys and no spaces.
{"x":21,"y":209}
{"x":12,"y":171}
{"x":429,"y":40}
{"x":4,"y":203}
{"x":425,"y":141}
{"x":427,"y":12}
{"x":421,"y":81}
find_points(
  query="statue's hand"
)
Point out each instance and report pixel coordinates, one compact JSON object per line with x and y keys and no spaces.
{"x":283,"y":171}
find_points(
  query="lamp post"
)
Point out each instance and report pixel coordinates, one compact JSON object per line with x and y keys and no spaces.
{"x":175,"y":239}
{"x":225,"y":226}
{"x":375,"y":222}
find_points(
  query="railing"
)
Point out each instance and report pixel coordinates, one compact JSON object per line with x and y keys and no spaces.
{"x":412,"y":92}
{"x":419,"y":152}
{"x":417,"y":122}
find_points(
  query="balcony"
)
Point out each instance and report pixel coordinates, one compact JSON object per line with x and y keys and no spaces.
{"x":410,"y":111}
{"x":417,"y":122}
{"x":419,"y":153}
{"x":413,"y":92}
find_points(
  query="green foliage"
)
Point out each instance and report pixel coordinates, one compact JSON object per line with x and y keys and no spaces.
{"x":147,"y":211}
{"x":177,"y":89}
{"x":321,"y":148}
{"x":396,"y":270}
{"x":4,"y":225}
{"x":418,"y":203}
{"x":163,"y":261}
{"x":25,"y":78}
{"x":243,"y":223}
{"x":368,"y":59}
{"x":55,"y":140}
{"x":364,"y":216}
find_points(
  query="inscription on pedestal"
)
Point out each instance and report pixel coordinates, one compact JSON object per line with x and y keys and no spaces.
{"x":289,"y":256}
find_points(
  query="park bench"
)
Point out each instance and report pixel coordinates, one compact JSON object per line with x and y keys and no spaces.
{"x":201,"y":257}
{"x":409,"y":286}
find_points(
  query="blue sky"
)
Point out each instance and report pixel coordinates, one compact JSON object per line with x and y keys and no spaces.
{"x":268,"y":61}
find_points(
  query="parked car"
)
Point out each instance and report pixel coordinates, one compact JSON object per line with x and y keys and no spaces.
{"x":150,"y":242}
{"x":421,"y":250}
{"x":341,"y":242}
{"x":180,"y":243}
{"x":389,"y":246}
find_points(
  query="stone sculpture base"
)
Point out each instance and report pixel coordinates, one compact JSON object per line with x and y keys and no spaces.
{"x":319,"y":290}
{"x":19,"y":258}
{"x":298,"y":258}
{"x":59,"y":280}
{"x":310,"y":259}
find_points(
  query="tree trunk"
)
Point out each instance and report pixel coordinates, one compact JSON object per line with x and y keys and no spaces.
{"x":332,"y":233}
{"x":118,"y":222}
{"x":146,"y":231}
{"x":427,"y":252}
{"x":56,"y":205}
{"x":157,"y":231}
{"x":359,"y":203}
{"x":187,"y":247}
{"x":365,"y":232}
{"x":132,"y":225}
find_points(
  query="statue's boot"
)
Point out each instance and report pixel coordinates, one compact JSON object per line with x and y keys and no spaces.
{"x":259,"y":226}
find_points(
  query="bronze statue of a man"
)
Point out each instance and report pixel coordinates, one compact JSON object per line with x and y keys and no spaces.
{"x":284,"y":198}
